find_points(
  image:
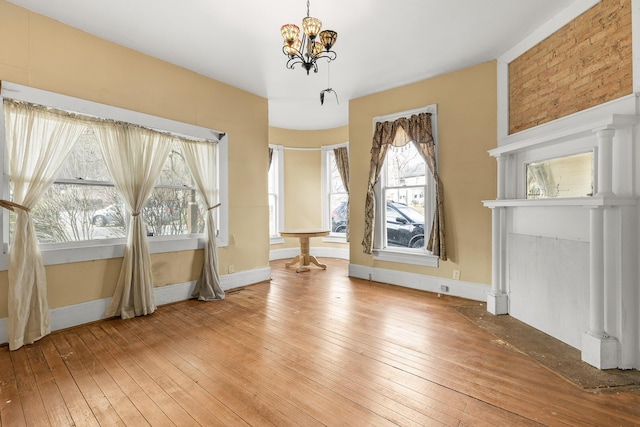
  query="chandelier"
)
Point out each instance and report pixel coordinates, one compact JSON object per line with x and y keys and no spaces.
{"x":306,"y":50}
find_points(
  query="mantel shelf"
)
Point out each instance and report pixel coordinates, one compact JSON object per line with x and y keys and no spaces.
{"x":617,"y":114}
{"x":587,"y":202}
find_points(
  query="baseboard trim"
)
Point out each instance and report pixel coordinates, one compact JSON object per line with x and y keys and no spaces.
{"x":458,"y":288}
{"x":90,"y":311}
{"x":77,"y":314}
{"x":320,"y":251}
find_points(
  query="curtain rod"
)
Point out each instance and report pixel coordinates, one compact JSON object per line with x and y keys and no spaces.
{"x":84,"y":107}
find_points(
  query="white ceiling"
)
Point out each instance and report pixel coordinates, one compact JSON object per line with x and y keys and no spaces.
{"x":381,"y":43}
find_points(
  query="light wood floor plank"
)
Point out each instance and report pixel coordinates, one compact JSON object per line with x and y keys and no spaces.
{"x":74,"y":399}
{"x":157,"y":360}
{"x":54,"y":404}
{"x":271,"y":377}
{"x":138,"y":392}
{"x":309,"y":349}
{"x":158,"y":393}
{"x":329,"y":375}
{"x":11,"y":412}
{"x":30,"y":398}
{"x":100,"y":406}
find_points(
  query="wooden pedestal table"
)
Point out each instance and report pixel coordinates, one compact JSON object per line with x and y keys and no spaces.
{"x":304,"y":259}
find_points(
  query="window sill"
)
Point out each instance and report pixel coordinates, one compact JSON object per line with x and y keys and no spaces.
{"x":587,"y":202}
{"x":406,"y":257}
{"x":335,"y":239}
{"x":54,"y":254}
{"x":276,"y":240}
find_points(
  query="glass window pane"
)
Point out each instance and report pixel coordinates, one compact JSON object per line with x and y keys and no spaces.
{"x":273,"y":182}
{"x":338,"y":197}
{"x":85,"y":160}
{"x":274,"y":185}
{"x":175,"y":170}
{"x":273,"y":217}
{"x":71,"y":213}
{"x":404,"y":191}
{"x":339,"y":206}
{"x":173,"y":211}
{"x":404,"y":226}
{"x":410,"y":196}
{"x":405,"y":166}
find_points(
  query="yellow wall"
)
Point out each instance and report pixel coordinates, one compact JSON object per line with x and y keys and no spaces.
{"x":43,"y":53}
{"x":303,"y":178}
{"x":466,"y":131}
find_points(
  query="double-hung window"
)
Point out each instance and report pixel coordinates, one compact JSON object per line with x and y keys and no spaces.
{"x":405,"y":202}
{"x":82,"y":217}
{"x":276,"y":194}
{"x":84,"y":205}
{"x":335,"y":196}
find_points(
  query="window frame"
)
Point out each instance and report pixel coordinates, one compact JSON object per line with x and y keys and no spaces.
{"x":68,"y":252}
{"x":327,"y":151}
{"x":395,"y":254}
{"x":277,"y":161}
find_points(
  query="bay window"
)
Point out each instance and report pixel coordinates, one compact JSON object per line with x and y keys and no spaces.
{"x":81,"y":216}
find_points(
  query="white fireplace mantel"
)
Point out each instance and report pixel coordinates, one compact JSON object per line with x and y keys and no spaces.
{"x":569,"y":266}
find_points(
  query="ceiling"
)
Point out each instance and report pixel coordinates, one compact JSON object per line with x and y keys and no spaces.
{"x":381,"y":44}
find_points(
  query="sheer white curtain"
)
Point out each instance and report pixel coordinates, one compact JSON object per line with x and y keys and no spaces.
{"x":203,"y":163}
{"x":134,"y":157}
{"x":37,"y":142}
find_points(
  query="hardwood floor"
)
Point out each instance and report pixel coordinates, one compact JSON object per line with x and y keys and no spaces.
{"x":308,"y":349}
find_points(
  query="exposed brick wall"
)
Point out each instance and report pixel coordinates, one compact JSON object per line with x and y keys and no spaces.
{"x":585,"y":63}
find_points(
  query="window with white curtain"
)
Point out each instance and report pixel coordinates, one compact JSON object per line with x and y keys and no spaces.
{"x":276,"y":194}
{"x":335,"y":197}
{"x":82,"y":206}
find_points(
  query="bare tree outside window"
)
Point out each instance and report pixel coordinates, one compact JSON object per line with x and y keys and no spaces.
{"x":83,"y":203}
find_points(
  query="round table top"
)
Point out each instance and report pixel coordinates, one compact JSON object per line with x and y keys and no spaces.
{"x":305,"y":233}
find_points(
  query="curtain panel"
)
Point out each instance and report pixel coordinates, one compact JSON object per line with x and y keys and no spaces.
{"x":416,"y":129}
{"x":38,"y":140}
{"x":341,"y":155}
{"x":134,"y":157}
{"x":203,"y":163}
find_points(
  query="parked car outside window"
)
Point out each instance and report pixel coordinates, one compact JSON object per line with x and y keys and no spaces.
{"x":405,"y":225}
{"x":111,"y":215}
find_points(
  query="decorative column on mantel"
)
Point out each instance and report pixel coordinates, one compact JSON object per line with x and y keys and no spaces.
{"x":598,"y":347}
{"x":605,"y":162}
{"x":497,"y":301}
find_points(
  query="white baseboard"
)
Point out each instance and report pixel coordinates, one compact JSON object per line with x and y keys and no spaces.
{"x":244,"y":278}
{"x":322,"y":252}
{"x":77,"y":314}
{"x":458,"y":288}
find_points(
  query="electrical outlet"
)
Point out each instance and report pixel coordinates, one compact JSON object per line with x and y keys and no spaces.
{"x":456,"y":274}
{"x":232,"y":269}
{"x":444,"y":288}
